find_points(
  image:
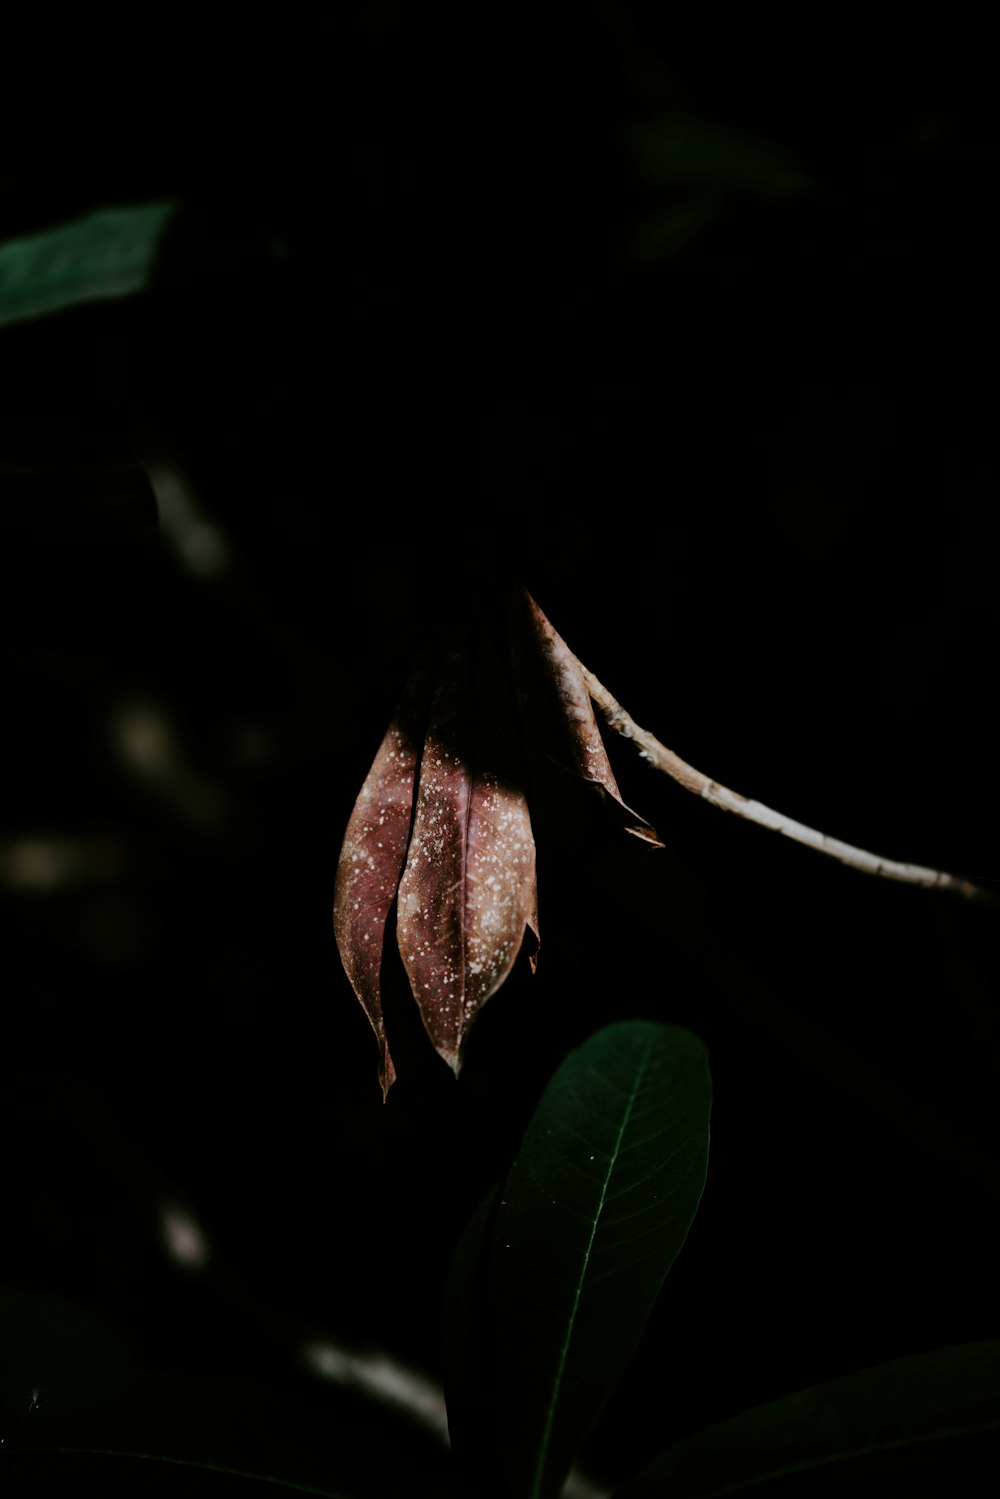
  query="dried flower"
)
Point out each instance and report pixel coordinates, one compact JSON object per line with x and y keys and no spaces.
{"x":442,"y":825}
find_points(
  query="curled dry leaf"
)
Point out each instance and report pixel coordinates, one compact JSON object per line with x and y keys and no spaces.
{"x":468,"y":891}
{"x":554,"y":699}
{"x":373,"y":855}
{"x":442,"y":824}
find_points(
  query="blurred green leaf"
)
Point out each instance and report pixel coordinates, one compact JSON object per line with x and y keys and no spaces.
{"x":925,"y":1424}
{"x":97,"y":258}
{"x":669,"y":231}
{"x":684,"y":153}
{"x":592,"y":1215}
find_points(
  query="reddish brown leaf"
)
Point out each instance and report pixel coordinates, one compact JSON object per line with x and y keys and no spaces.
{"x":373,"y":854}
{"x":442,"y":825}
{"x":468,"y":891}
{"x":556,"y":704}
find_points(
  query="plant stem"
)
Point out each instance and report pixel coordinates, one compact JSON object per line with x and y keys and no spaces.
{"x":702,"y":785}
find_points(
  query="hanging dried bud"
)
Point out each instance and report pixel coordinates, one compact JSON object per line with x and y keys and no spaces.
{"x":442,"y":825}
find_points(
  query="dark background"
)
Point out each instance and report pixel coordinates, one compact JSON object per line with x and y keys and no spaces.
{"x":690,"y":319}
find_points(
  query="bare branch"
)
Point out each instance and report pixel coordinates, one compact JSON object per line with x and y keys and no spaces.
{"x":702,"y":785}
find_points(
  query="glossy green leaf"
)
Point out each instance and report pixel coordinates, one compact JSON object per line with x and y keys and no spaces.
{"x":591,"y":1216}
{"x":97,"y":258}
{"x":925,"y":1424}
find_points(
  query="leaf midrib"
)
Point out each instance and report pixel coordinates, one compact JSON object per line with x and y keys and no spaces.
{"x":550,"y":1413}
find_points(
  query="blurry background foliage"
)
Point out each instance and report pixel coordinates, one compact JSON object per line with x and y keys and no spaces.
{"x":691,"y":321}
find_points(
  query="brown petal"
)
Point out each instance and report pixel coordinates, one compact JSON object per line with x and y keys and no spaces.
{"x":468,"y":891}
{"x":557,"y":708}
{"x":373,"y":853}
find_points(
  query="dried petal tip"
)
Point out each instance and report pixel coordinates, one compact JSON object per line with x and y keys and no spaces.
{"x":386,"y":1070}
{"x":454,"y":1060}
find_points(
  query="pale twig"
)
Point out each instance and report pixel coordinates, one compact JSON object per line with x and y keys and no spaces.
{"x":702,"y":785}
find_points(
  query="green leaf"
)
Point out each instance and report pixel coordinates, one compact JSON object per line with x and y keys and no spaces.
{"x":592,"y":1215}
{"x":102,"y":256}
{"x":925,"y":1424}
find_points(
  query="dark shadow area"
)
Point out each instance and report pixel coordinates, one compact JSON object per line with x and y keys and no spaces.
{"x":691,"y":329}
